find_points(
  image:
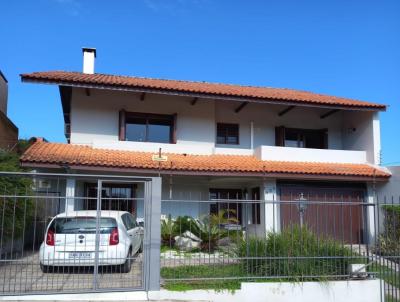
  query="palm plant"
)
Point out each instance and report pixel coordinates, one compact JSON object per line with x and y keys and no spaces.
{"x":210,"y":230}
{"x":168,"y":231}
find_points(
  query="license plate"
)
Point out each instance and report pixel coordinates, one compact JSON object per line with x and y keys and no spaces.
{"x":80,"y":255}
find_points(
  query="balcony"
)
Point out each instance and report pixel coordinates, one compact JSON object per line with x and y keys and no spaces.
{"x":310,"y":155}
{"x":271,"y":153}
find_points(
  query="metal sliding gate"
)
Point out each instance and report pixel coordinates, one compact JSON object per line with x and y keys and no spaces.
{"x":73,"y":233}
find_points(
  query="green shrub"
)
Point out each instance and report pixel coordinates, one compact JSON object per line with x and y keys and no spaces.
{"x":208,"y":228}
{"x":389,"y":240}
{"x":186,"y":223}
{"x":168,"y":232}
{"x":17,"y":211}
{"x":295,"y":253}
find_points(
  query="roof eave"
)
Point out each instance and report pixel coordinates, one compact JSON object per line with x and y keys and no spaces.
{"x":27,"y":79}
{"x":282,"y":175}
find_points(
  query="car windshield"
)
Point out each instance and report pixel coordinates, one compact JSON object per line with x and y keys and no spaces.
{"x":82,"y":225}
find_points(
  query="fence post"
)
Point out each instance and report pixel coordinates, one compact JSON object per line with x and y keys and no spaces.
{"x":372,"y":210}
{"x":271,"y":209}
{"x":153,"y":233}
{"x":70,"y":195}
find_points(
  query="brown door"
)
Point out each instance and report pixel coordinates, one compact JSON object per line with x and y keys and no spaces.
{"x":335,"y":212}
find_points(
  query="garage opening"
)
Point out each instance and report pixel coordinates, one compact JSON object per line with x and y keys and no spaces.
{"x":72,"y":233}
{"x":336,"y":210}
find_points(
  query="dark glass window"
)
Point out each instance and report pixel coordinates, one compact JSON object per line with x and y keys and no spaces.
{"x":155,"y":128}
{"x":82,"y":225}
{"x":232,"y":209}
{"x":305,"y":138}
{"x":118,"y":197}
{"x":228,"y":134}
{"x":129,"y":221}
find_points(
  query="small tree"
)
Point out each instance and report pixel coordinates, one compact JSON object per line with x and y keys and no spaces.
{"x":16,"y":213}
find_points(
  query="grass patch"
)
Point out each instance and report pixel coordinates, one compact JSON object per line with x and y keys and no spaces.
{"x":385,"y":273}
{"x":202,"y":271}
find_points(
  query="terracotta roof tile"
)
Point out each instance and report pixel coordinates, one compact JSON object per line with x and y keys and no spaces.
{"x":278,"y":95}
{"x":74,"y":155}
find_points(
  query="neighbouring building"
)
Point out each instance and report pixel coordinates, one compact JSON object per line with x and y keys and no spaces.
{"x":8,"y":131}
{"x":217,"y":141}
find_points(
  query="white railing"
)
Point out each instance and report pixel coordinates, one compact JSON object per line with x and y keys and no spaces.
{"x":271,"y":153}
{"x":310,"y":155}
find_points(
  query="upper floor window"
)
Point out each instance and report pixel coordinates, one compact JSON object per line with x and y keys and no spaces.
{"x":144,"y":127}
{"x":228,"y":134}
{"x":302,"y":138}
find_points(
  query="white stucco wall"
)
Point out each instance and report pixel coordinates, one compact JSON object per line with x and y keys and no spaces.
{"x":95,"y":117}
{"x":361,"y":131}
{"x":265,"y":118}
{"x":94,"y":121}
{"x":391,"y":189}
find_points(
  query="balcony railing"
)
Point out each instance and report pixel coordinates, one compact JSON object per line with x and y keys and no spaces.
{"x":262,"y":152}
{"x":310,"y":155}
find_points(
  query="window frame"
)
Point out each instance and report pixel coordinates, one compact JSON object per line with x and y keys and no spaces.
{"x":228,"y":194}
{"x":227,"y":127}
{"x":90,"y":201}
{"x":301,"y":133}
{"x":124,"y":118}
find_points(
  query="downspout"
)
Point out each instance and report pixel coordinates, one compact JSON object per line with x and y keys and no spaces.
{"x":251,"y":135}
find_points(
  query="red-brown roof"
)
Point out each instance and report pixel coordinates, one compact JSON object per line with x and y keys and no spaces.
{"x":278,"y":95}
{"x":43,"y":153}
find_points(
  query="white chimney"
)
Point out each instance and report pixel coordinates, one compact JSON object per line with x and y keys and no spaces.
{"x":89,"y":54}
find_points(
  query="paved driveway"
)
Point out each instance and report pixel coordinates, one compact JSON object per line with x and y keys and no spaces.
{"x":23,"y":275}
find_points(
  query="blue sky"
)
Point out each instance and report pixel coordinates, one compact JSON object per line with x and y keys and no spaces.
{"x":344,"y":48}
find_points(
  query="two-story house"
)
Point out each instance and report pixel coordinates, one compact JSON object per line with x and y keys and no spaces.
{"x":215,"y":141}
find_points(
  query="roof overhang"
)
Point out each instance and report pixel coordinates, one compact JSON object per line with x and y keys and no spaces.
{"x":28,"y":78}
{"x":291,"y":176}
{"x":76,"y":157}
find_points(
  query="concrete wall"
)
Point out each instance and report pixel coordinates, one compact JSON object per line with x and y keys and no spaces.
{"x":328,"y":291}
{"x":95,"y":121}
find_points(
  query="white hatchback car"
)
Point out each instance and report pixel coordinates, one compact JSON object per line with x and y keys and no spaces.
{"x":70,"y":240}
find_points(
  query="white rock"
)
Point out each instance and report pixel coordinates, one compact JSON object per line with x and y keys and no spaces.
{"x":192,"y":236}
{"x":185,"y":244}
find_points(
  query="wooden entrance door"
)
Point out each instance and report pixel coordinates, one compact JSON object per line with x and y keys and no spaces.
{"x":336,"y":212}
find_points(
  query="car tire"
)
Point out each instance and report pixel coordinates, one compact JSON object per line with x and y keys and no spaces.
{"x":126,"y":267}
{"x":45,"y":268}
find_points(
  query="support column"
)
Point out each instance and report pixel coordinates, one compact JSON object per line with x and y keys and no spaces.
{"x":152,"y":243}
{"x":70,"y":195}
{"x":371,"y":217}
{"x":271,"y":209}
